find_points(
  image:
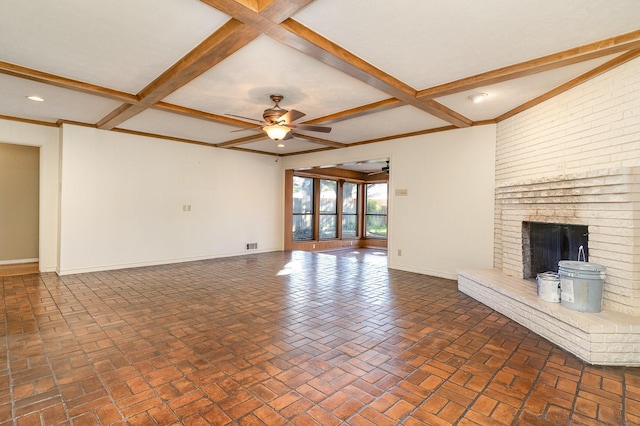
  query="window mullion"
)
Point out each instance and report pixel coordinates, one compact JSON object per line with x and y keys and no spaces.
{"x":339,"y":205}
{"x":316,"y":209}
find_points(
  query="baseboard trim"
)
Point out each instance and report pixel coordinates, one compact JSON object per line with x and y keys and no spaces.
{"x":25,"y":268}
{"x":19,"y":261}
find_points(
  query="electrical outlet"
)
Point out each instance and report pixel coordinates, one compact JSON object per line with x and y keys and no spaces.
{"x":399,"y":252}
{"x":314,"y":246}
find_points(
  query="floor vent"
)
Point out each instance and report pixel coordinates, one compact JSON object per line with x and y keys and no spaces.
{"x":252,"y":246}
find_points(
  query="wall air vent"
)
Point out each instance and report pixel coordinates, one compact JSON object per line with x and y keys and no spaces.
{"x":252,"y":246}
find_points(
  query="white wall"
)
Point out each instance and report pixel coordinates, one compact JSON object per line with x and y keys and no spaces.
{"x":123,"y":197}
{"x":46,"y":138}
{"x":446,"y":220}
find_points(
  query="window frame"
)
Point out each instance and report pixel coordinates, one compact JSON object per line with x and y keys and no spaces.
{"x":376,"y":215}
{"x":358,"y":187}
{"x":310,"y":214}
{"x":322,"y":214}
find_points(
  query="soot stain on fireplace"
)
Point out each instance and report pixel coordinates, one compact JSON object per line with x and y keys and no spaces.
{"x":545,"y":244}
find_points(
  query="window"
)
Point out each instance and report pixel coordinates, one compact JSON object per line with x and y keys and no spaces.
{"x":328,"y":209}
{"x":349,"y":210}
{"x":376,"y":211}
{"x":302,"y":208}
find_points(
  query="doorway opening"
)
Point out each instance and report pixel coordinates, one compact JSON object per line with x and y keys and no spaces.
{"x":337,"y":206}
{"x":19,"y":210}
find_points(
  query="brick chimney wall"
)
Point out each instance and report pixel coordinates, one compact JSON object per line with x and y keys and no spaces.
{"x":576,"y":159}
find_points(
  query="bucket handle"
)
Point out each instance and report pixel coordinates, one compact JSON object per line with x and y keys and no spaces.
{"x":581,"y":254}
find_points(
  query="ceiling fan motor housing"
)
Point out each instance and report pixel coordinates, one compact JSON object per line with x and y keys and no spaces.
{"x":272,"y":115}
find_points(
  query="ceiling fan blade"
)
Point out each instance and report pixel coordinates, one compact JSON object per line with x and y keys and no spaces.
{"x":288,"y":136}
{"x":292,"y":116}
{"x":245,"y":118}
{"x":310,"y":128}
{"x":254,"y":129}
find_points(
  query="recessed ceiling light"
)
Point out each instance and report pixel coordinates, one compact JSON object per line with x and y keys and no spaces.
{"x":477,"y":97}
{"x":35,"y":98}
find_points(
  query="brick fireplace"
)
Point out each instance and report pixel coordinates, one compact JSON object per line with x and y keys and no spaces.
{"x":608,"y":202}
{"x":574,"y":159}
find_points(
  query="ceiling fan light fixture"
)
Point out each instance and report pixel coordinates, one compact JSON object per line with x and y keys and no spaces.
{"x":478,"y":97}
{"x":276,"y":131}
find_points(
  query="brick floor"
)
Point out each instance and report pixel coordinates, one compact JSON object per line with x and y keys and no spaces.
{"x":285,"y":338}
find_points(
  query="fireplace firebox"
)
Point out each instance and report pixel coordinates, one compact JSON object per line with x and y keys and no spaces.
{"x":545,"y":244}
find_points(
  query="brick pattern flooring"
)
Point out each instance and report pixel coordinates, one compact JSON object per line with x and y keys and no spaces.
{"x":285,"y":338}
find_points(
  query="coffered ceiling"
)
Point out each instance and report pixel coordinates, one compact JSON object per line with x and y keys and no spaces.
{"x":370,"y":69}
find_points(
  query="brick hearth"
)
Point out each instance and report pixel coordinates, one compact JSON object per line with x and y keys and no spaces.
{"x":605,"y":338}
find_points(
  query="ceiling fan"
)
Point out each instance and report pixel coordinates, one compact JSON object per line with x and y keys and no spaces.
{"x":384,"y":169}
{"x":277,"y":122}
